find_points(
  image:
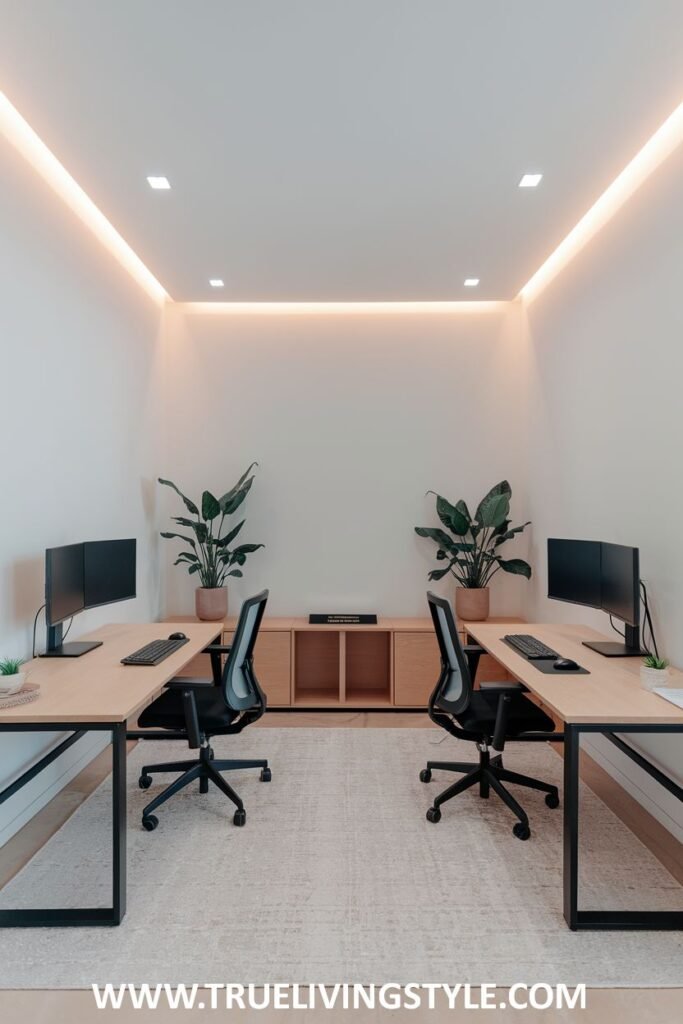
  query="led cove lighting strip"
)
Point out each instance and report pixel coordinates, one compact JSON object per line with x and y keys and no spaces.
{"x":337,"y":308}
{"x":648,"y":159}
{"x":20,"y":134}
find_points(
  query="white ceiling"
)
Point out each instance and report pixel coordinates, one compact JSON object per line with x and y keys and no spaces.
{"x":348,"y":150}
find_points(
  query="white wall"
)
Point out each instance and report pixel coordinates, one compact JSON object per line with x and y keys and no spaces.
{"x":605,"y":428}
{"x":79,"y":431}
{"x":352,"y":419}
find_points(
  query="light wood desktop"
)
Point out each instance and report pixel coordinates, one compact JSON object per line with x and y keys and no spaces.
{"x":609,"y":701}
{"x":96,"y":693}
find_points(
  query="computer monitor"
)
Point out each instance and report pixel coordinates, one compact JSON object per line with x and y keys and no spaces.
{"x":82,"y":576}
{"x":109,"y":571}
{"x":599,"y":575}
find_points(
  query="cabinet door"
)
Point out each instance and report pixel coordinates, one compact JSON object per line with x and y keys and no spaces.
{"x":416,"y":668}
{"x":272,"y":664}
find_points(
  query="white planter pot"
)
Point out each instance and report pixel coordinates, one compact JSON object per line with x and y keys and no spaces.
{"x":12,"y":684}
{"x":651,"y":677}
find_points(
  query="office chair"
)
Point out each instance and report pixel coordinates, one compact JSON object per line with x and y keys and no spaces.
{"x":196,"y":710}
{"x":488,"y":717}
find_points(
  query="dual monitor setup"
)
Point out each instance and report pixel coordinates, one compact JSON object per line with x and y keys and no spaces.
{"x":591,"y":573}
{"x":83,"y":576}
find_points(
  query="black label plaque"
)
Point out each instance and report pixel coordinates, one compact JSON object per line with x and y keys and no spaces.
{"x":342,"y":620}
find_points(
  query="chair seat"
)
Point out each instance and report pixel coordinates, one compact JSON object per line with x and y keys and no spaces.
{"x":166,"y":712}
{"x":523,"y":716}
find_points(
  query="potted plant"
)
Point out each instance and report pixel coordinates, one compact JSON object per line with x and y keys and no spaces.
{"x":472,"y":549}
{"x":11,"y":677}
{"x":210,"y":555}
{"x":654,"y":671}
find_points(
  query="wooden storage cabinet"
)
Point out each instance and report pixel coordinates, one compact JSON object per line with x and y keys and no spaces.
{"x":416,"y":668}
{"x":272,"y":664}
{"x":393,"y":664}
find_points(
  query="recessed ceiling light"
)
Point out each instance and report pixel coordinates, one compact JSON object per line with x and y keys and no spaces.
{"x":530,"y":180}
{"x":216,"y":282}
{"x":158,"y":181}
{"x":471,"y":282}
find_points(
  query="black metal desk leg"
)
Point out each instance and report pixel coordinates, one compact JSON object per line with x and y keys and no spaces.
{"x":571,"y":826}
{"x":118,"y":747}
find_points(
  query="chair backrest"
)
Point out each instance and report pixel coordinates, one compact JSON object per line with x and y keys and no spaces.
{"x":453,"y":691}
{"x":240,"y":686}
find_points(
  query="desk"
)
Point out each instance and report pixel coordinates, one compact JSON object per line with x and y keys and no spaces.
{"x":608,"y":701}
{"x":97,"y":693}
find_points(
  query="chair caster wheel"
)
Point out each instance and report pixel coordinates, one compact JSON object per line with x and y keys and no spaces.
{"x":145,"y":781}
{"x":266,"y":775}
{"x":150,"y":822}
{"x":240,"y":817}
{"x":434,"y":815}
{"x":426,"y":775}
{"x":552,"y":800}
{"x":521,"y":830}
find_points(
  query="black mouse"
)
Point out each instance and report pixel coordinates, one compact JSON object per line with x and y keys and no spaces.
{"x":177,"y":636}
{"x":565,"y":665}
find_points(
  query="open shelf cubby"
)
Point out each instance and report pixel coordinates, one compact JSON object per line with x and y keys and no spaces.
{"x":316,"y":667}
{"x":368,"y":667}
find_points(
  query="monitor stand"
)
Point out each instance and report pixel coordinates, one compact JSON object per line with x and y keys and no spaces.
{"x":56,"y":649}
{"x":613,"y":649}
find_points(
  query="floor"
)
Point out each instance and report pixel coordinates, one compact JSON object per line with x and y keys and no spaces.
{"x":605,"y":1005}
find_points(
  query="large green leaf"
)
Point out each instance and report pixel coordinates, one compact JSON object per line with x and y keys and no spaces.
{"x":463,"y":510}
{"x":189,"y":505}
{"x":235,"y":572}
{"x":509,"y":534}
{"x":224,"y":541}
{"x":210,"y":506}
{"x":438,"y":574}
{"x":516,"y":566}
{"x":451,"y":517}
{"x":439,"y":537}
{"x":233,"y":498}
{"x":180,"y":536}
{"x":246,"y":549}
{"x":489,"y":504}
{"x":493,"y":510}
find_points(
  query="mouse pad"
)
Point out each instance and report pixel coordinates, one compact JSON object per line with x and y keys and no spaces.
{"x":546,"y":665}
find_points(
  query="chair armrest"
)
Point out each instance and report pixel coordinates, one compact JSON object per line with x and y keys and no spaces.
{"x":500,"y":728}
{"x":217,"y":649}
{"x":473,"y":649}
{"x":504,"y":686}
{"x":472,"y":653}
{"x":183,"y":682}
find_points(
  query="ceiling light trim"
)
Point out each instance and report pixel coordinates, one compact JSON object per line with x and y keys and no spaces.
{"x":19,"y":133}
{"x":646,"y":161}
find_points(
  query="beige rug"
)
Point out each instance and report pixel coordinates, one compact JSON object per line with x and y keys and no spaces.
{"x":337,"y":876}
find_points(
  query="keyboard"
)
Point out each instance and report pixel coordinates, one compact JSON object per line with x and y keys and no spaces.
{"x":530,"y":647}
{"x":154,"y":652}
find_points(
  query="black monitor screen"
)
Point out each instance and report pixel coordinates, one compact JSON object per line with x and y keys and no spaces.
{"x":63,"y":582}
{"x":574,"y":571}
{"x":109,"y":571}
{"x":621,"y":582}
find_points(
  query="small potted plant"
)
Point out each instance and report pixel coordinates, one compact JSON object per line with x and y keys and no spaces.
{"x":472,"y":549}
{"x":11,"y":677}
{"x":210,"y":555}
{"x":654,"y":671}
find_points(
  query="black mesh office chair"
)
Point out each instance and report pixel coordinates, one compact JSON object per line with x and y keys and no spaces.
{"x":196,"y":710}
{"x":488,"y":717}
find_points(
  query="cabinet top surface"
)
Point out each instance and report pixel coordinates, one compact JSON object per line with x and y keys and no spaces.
{"x":391,"y":624}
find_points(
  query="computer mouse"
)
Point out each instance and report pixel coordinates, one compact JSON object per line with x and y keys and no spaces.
{"x":177,"y":636}
{"x":565,"y":665}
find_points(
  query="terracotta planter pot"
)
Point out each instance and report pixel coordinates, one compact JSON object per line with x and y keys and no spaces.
{"x":211,"y":603}
{"x":472,"y":604}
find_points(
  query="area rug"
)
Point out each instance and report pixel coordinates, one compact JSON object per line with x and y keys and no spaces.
{"x":337,"y":876}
